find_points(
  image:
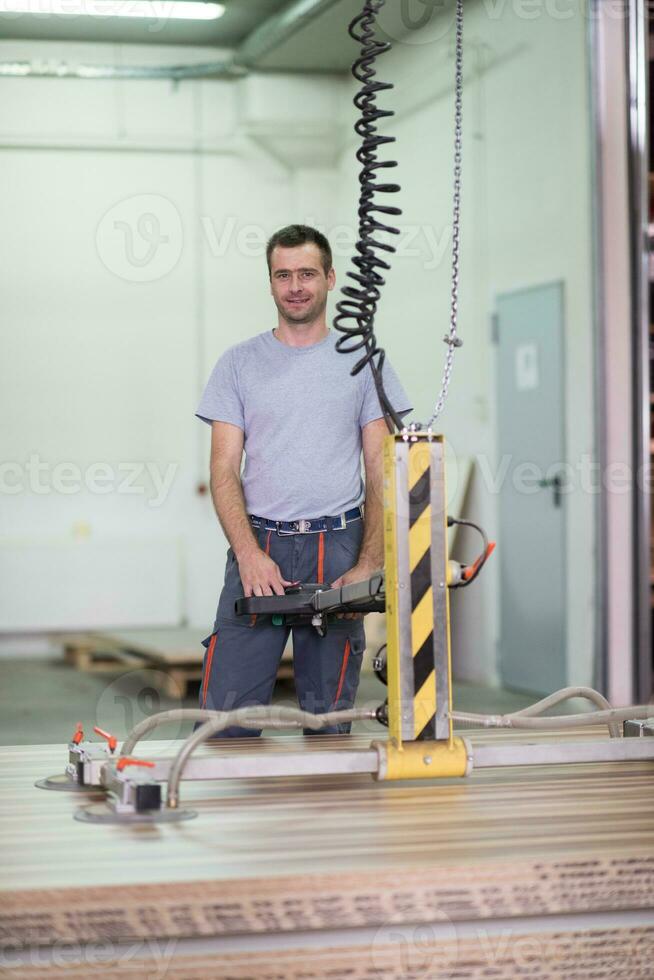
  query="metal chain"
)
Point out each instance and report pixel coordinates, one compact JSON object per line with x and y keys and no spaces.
{"x":451,"y":338}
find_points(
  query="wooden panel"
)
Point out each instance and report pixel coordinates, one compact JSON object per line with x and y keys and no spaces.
{"x":281,"y":855}
{"x":412,"y":955}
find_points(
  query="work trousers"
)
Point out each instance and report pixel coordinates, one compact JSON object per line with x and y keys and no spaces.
{"x":243,"y":652}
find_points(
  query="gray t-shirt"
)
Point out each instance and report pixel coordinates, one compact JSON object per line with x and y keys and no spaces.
{"x":302,"y":413}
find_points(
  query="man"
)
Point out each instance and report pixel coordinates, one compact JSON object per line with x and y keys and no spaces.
{"x":286,"y":398}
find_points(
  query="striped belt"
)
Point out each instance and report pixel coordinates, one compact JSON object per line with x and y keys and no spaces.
{"x":304,"y":526}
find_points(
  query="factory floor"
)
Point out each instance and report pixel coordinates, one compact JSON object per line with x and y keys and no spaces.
{"x":42,"y":700}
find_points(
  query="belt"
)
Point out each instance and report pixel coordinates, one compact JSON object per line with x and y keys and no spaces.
{"x":304,"y":526}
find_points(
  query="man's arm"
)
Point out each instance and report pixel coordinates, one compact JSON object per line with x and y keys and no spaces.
{"x":260,"y":575}
{"x":371,"y":553}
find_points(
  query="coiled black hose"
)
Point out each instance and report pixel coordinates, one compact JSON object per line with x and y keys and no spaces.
{"x":360,"y":304}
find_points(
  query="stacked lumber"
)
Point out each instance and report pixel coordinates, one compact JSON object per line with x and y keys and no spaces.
{"x":298,"y":857}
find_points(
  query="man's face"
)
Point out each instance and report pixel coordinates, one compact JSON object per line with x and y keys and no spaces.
{"x":298,"y":282}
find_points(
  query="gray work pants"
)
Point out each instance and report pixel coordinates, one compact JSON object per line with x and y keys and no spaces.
{"x":243,"y":652}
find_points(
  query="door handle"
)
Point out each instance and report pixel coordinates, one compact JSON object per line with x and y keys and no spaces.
{"x":556,"y":483}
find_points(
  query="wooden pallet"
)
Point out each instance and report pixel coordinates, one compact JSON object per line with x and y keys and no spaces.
{"x":177,"y":654}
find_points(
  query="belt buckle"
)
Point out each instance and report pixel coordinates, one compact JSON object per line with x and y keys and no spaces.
{"x":304,"y":526}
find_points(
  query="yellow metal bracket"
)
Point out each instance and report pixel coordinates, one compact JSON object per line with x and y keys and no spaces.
{"x":423,"y":760}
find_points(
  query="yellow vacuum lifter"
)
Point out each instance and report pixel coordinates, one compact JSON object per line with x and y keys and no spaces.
{"x":414,"y":589}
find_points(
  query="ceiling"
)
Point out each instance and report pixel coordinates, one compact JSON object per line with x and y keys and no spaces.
{"x":316,"y":43}
{"x":239,"y":19}
{"x":322,"y":44}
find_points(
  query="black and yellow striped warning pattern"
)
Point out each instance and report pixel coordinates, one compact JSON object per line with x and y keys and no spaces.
{"x":394,"y":651}
{"x":422,"y":597}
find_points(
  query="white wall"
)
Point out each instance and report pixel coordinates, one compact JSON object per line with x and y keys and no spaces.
{"x":104,"y":367}
{"x":105,"y":350}
{"x":526,"y":220}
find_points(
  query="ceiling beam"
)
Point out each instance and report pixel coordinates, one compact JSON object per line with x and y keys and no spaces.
{"x":277,"y":28}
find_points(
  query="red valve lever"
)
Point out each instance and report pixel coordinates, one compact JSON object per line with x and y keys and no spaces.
{"x":471,"y":569}
{"x":112,"y":741}
{"x":128,"y":760}
{"x":79,"y":734}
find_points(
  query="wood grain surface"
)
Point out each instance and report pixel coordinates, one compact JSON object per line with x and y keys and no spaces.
{"x":591,"y":954}
{"x":282,"y":855}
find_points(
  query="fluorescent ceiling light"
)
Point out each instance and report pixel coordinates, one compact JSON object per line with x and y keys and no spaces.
{"x":150,"y":9}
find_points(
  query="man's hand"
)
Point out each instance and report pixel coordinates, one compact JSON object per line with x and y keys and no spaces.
{"x":359,"y":573}
{"x":260,"y":575}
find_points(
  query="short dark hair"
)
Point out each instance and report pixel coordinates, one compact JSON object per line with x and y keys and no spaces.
{"x":294,"y":235}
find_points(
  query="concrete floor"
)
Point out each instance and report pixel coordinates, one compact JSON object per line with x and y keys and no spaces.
{"x":42,"y":700}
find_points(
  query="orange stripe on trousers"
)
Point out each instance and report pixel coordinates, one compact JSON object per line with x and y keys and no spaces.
{"x":321,"y":557}
{"x":346,"y":657}
{"x":207,"y":669}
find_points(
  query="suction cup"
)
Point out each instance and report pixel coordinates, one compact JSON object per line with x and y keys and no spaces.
{"x":103,"y":813}
{"x":64,"y":783}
